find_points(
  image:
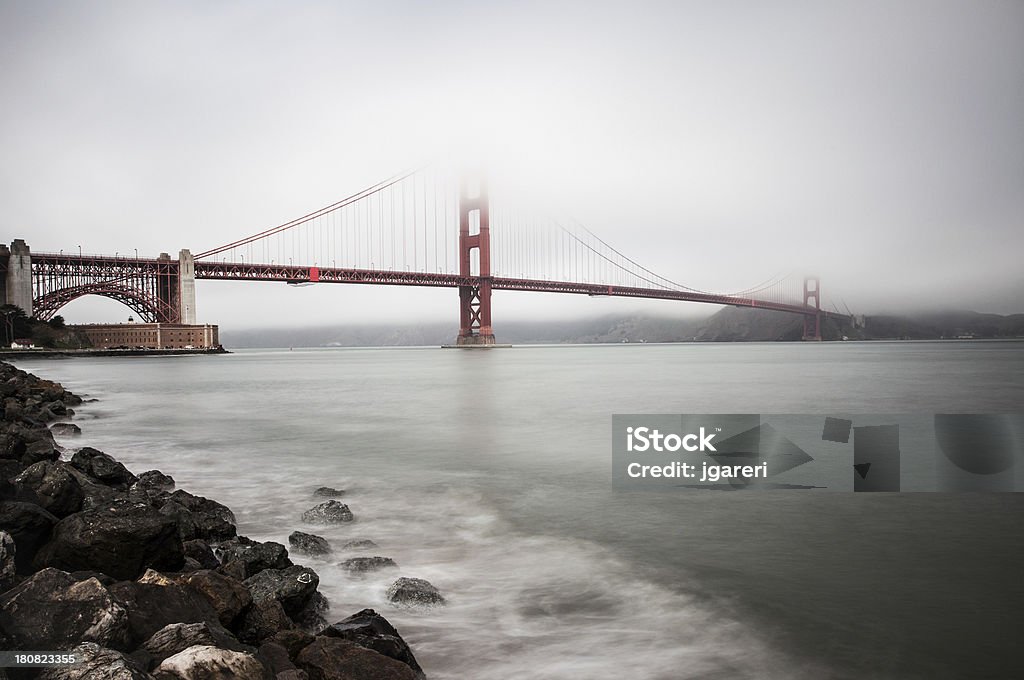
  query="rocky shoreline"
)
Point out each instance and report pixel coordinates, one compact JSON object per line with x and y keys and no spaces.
{"x":141,"y":580}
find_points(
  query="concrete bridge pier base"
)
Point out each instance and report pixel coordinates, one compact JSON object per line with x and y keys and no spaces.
{"x":17,"y":275}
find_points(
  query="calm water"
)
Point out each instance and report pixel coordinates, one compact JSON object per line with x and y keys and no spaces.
{"x":488,"y":473}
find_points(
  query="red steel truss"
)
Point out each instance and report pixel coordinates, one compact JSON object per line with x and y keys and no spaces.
{"x":149,"y":287}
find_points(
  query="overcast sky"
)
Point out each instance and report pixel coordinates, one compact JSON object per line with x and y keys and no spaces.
{"x":879,"y":145}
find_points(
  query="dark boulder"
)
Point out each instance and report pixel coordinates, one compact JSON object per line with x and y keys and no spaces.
{"x":52,"y":610}
{"x":102,"y":468}
{"x":177,"y":637}
{"x":371,"y":630}
{"x":228,"y":597}
{"x":12,"y":446}
{"x":360,"y":544}
{"x":331,"y":658}
{"x":30,"y":526}
{"x":275,"y":658}
{"x":200,"y":551}
{"x":328,"y":492}
{"x":66,"y":430}
{"x":309,"y":544}
{"x":328,"y":512}
{"x":254,"y":555}
{"x":311,"y":617}
{"x":414,"y":592}
{"x":121,"y":540}
{"x":39,"y":450}
{"x":292,"y":639}
{"x":156,"y":481}
{"x":206,"y":662}
{"x":151,"y":607}
{"x":292,"y":587}
{"x":8,"y":569}
{"x":211,"y":520}
{"x":56,"y":489}
{"x":263,"y":619}
{"x":93,"y":662}
{"x":362,"y":565}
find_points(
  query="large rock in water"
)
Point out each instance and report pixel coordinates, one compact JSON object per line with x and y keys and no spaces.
{"x":371,"y":630}
{"x":30,"y":526}
{"x":309,"y":544}
{"x":292,"y":587}
{"x":414,"y":592}
{"x":331,"y":658}
{"x":121,"y":541}
{"x":205,"y":662}
{"x":362,"y":565}
{"x":96,"y":663}
{"x":52,"y":610}
{"x":57,"y":489}
{"x":328,"y":512}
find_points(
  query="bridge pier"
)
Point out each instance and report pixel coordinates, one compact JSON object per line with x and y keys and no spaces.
{"x":186,"y":287}
{"x":475,"y":234}
{"x":812,"y":322}
{"x":17,"y":275}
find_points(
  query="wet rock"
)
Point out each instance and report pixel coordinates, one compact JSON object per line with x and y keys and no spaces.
{"x":206,"y":662}
{"x":177,"y":637}
{"x":275,"y":658}
{"x":66,"y":430}
{"x":255,"y":556}
{"x":40,"y":450}
{"x":56,"y":489}
{"x":361,"y":565}
{"x":360,"y":544}
{"x":151,"y":607}
{"x":228,"y":597}
{"x":12,"y":447}
{"x":309,"y":544}
{"x":51,"y":610}
{"x":292,"y":639}
{"x":102,"y":468}
{"x":292,"y":587}
{"x":331,"y":658}
{"x":94,"y":662}
{"x":414,"y":592}
{"x":200,"y":551}
{"x":121,"y":540}
{"x":263,"y":619}
{"x":156,"y":481}
{"x":328,"y":512}
{"x":311,"y":618}
{"x":213,"y":521}
{"x":328,"y":492}
{"x":30,"y":526}
{"x":8,"y":570}
{"x":371,"y":630}
{"x":155,"y":578}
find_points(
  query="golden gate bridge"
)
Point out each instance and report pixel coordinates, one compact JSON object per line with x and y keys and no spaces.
{"x":419,"y":228}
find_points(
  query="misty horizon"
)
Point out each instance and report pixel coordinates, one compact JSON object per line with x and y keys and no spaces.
{"x":873,"y":145}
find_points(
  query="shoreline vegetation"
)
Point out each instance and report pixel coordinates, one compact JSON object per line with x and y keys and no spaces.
{"x":140,"y":580}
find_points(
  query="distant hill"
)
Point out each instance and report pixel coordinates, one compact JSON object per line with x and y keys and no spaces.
{"x":729,"y":324}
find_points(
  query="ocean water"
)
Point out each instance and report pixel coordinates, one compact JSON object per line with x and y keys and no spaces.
{"x":489,"y":474}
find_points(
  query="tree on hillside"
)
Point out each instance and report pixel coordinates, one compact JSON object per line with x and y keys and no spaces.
{"x":16,"y":323}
